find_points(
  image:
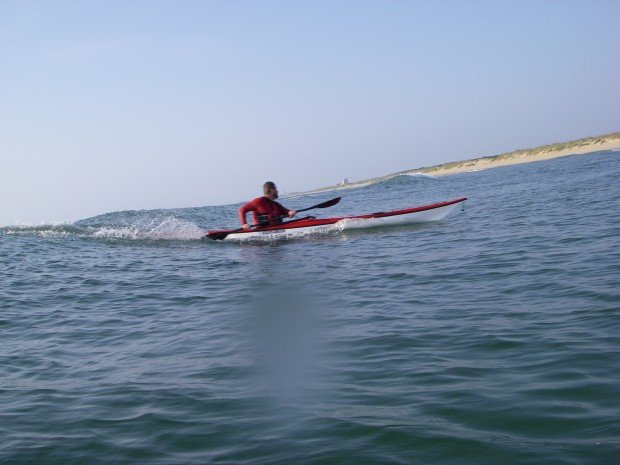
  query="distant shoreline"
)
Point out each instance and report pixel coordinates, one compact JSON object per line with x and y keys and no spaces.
{"x":544,"y":152}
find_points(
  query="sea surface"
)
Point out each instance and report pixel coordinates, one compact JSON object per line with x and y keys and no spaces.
{"x":492,"y":336}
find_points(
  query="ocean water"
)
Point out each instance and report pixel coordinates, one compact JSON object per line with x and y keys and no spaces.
{"x":492,"y":336}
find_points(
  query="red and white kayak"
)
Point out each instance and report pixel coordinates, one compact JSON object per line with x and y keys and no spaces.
{"x":423,"y":214}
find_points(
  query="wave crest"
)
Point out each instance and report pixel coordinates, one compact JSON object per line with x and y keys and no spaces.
{"x":122,"y":225}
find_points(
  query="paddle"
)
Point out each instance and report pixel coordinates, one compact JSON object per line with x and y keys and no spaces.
{"x":328,"y":203}
{"x":222,"y":234}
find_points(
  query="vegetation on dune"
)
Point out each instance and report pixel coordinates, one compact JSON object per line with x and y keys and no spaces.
{"x":520,"y":153}
{"x":542,"y":150}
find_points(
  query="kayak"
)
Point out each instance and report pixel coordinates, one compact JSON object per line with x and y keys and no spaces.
{"x":422,"y":214}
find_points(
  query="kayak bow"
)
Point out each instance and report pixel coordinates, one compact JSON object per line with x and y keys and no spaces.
{"x":422,"y":214}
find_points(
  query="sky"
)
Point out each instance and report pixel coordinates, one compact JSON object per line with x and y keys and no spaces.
{"x":125,"y":105}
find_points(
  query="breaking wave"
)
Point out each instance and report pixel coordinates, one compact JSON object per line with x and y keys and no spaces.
{"x":191,"y":223}
{"x":399,"y":178}
{"x":122,"y":225}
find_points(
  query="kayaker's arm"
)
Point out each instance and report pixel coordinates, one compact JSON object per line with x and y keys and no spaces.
{"x":284,"y":212}
{"x":244,"y":210}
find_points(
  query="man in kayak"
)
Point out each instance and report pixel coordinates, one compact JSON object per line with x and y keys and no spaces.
{"x":266,"y":210}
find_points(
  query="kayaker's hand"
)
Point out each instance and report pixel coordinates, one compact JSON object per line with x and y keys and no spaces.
{"x":291,"y":213}
{"x":246,"y":226}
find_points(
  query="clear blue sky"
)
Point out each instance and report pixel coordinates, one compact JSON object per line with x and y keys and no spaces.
{"x":116,"y":105}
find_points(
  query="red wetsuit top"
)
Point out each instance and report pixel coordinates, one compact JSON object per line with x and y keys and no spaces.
{"x":263,"y":206}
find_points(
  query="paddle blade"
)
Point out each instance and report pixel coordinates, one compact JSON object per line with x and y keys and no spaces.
{"x":326,"y":204}
{"x":329,"y":203}
{"x":218,"y":235}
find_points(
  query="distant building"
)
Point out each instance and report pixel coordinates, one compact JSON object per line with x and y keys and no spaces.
{"x":344,"y":182}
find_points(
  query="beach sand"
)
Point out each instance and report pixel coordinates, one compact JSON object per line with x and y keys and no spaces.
{"x":522,"y":156}
{"x":547,"y":152}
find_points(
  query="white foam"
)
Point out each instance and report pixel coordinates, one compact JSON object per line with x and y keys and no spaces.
{"x":155,"y":229}
{"x":168,"y":229}
{"x":292,"y":233}
{"x":61,"y":229}
{"x":421,"y":175}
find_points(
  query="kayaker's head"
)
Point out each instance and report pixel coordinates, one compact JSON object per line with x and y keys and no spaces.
{"x":270,"y":190}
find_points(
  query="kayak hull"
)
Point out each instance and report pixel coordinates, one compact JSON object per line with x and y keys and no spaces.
{"x":422,"y":214}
